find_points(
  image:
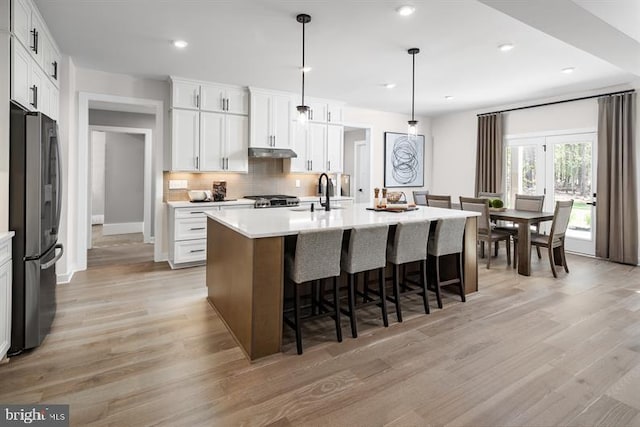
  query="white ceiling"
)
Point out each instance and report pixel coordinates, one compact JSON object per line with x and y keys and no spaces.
{"x":354,"y":46}
{"x":621,"y":14}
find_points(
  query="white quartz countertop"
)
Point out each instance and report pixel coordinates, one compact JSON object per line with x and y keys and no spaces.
{"x":304,"y":199}
{"x":257,"y":223}
{"x":6,"y":235}
{"x":206,"y":204}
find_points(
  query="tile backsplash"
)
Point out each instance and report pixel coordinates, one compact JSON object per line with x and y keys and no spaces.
{"x":266,"y":176}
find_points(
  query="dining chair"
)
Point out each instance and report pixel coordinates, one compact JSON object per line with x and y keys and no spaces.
{"x":489,"y":195}
{"x":435,"y":201}
{"x":486,"y":233}
{"x":419,"y":197}
{"x":525,"y":202}
{"x":555,"y":239}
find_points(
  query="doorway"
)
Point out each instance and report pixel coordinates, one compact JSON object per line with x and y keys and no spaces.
{"x":562,"y":167}
{"x":358,"y":161}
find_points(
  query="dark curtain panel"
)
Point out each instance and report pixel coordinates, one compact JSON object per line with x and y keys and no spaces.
{"x":616,"y":210}
{"x":489,"y":160}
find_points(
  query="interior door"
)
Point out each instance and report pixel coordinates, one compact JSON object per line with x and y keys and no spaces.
{"x":362,"y":185}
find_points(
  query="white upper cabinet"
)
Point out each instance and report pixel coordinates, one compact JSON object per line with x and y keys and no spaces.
{"x":335,"y":148}
{"x":324,"y":111}
{"x":185,"y":140}
{"x":35,"y":60}
{"x":317,"y":111}
{"x":225,"y":99}
{"x":21,"y":22}
{"x":21,"y":65}
{"x":212,"y":141}
{"x":334,"y":113}
{"x":270,"y":119}
{"x":236,"y":143}
{"x":185,"y":94}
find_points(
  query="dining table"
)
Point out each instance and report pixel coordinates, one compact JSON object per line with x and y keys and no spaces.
{"x":524,"y":220}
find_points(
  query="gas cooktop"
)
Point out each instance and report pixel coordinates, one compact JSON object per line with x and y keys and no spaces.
{"x":273,"y":201}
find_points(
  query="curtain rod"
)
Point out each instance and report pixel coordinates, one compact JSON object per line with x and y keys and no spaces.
{"x":558,"y":102}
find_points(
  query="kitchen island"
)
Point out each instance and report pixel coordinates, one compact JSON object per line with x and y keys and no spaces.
{"x":245,"y":262}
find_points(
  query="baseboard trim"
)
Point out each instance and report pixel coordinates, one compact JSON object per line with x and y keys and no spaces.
{"x":122,"y":228}
{"x":97,"y":219}
{"x":64,"y":278}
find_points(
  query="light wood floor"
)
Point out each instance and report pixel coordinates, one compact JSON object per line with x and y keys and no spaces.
{"x":138,"y":344}
{"x":117,"y":249}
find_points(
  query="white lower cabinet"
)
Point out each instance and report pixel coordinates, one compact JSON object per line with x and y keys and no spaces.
{"x":5,"y":296}
{"x":188,"y":234}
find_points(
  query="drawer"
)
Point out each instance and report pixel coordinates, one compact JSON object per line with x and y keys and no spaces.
{"x":194,"y":212}
{"x":190,"y":251}
{"x":190,"y":228}
{"x":5,"y":251}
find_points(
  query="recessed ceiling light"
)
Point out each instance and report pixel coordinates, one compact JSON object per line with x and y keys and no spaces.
{"x":505,"y":47}
{"x":448,"y":97}
{"x":390,"y":85}
{"x":305,"y":69}
{"x":568,"y":70}
{"x":180,"y":44}
{"x":405,"y":10}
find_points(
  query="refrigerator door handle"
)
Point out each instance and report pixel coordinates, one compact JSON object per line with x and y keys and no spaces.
{"x":59,"y":182}
{"x":49,"y":264}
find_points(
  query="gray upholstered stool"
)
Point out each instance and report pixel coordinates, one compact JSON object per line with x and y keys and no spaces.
{"x":447,"y":239}
{"x":316,"y":257}
{"x":408,"y":243}
{"x":365,"y":251}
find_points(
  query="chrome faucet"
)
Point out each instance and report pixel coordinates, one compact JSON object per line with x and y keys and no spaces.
{"x":327,"y":206}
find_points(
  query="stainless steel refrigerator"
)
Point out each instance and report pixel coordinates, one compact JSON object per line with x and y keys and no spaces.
{"x":35,"y":200}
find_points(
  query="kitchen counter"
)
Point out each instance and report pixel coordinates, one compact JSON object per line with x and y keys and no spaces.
{"x":184,"y":204}
{"x":245,"y":262}
{"x":6,"y":235}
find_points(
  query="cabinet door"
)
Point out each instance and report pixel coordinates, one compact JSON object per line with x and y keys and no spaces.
{"x":37,"y":89}
{"x":37,"y":49}
{"x":44,"y":94}
{"x":318,"y":112}
{"x":5,"y":308}
{"x":212,"y":137}
{"x":237,"y":143}
{"x":334,"y":113}
{"x":282,"y":106}
{"x":335,"y":148}
{"x":54,"y":64}
{"x":21,"y":75}
{"x":21,"y":23}
{"x":54,"y":103}
{"x":317,"y":146}
{"x":237,"y":101}
{"x":185,"y":94}
{"x":213,"y":98}
{"x":261,"y":112}
{"x":299,"y":146}
{"x":184,"y":140}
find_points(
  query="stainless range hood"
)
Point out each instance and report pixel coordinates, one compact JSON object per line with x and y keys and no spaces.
{"x":272,"y":153}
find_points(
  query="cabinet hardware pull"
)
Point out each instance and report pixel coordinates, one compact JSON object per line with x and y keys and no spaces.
{"x":34,"y":89}
{"x":198,"y":228}
{"x":329,"y":165}
{"x":197,"y":100}
{"x":329,"y":116}
{"x":193,"y":251}
{"x":34,"y":34}
{"x":197,"y":162}
{"x":227,"y":102}
{"x":196,"y":212}
{"x":55,"y":70}
{"x":226,"y":162}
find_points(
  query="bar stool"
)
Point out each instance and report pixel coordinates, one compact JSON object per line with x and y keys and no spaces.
{"x":408,"y":244}
{"x":316,"y":257}
{"x":447,"y":239}
{"x":365,"y":251}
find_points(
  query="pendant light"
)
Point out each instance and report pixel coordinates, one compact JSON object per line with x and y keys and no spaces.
{"x":303,"y":110}
{"x":413,"y":123}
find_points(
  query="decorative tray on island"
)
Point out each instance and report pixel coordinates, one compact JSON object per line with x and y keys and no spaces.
{"x":392,"y":208}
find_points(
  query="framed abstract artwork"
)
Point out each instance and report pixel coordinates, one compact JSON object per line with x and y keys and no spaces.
{"x":403,"y":160}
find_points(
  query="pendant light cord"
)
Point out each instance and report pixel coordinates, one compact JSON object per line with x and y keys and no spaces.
{"x":303,"y":73}
{"x":413,"y":85}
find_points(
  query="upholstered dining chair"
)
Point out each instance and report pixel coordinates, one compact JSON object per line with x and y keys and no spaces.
{"x":419,"y":197}
{"x":489,"y":195}
{"x":436,"y":201}
{"x":485,"y":232}
{"x":555,"y":239}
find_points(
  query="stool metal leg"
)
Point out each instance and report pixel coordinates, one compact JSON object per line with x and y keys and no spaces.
{"x":352,"y":309}
{"x":365,"y":287}
{"x":423,"y":282}
{"x":396,"y":292}
{"x":438,"y":296}
{"x":383,"y":297}
{"x":296,"y":296}
{"x":336,"y":302}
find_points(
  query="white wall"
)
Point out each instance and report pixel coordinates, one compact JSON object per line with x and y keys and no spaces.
{"x":124,"y":178}
{"x":98,"y":149}
{"x":381,"y":122}
{"x":4,"y":115}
